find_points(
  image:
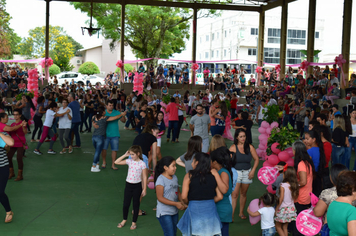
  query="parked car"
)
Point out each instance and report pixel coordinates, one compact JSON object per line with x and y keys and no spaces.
{"x":69,"y":76}
{"x":93,"y":79}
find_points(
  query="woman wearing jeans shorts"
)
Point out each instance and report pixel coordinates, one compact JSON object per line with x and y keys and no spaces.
{"x":244,"y":153}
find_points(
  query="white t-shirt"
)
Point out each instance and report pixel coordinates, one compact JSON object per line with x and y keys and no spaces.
{"x":210,"y":96}
{"x":267,"y":217}
{"x":134,"y":174}
{"x":64,"y":122}
{"x":272,"y":101}
{"x":49,"y":118}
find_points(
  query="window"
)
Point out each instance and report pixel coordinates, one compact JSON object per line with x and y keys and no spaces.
{"x":252,"y":51}
{"x":207,"y":38}
{"x":254,"y":31}
{"x":296,"y":37}
{"x":217,"y":35}
{"x":225,"y":33}
{"x":212,"y":53}
{"x":217,"y":53}
{"x":271,"y":55}
{"x":316,"y":35}
{"x":225,"y":51}
{"x":206,"y":55}
{"x":212,"y":37}
{"x":274,"y":35}
{"x":293,"y":56}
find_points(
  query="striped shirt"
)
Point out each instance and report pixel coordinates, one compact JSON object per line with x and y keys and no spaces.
{"x":3,"y":155}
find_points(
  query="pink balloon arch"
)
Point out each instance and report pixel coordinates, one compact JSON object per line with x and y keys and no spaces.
{"x":138,"y":83}
{"x":32,"y":86}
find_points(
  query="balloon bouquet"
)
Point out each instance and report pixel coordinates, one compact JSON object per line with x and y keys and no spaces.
{"x":32,"y":86}
{"x":265,"y":132}
{"x":138,"y":83}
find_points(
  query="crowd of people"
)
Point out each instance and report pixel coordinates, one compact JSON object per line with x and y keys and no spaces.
{"x":217,"y":176}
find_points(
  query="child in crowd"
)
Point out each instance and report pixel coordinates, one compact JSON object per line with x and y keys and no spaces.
{"x":267,"y":214}
{"x":162,"y":129}
{"x":253,"y":81}
{"x":288,"y":193}
{"x":277,"y":183}
{"x":133,"y":189}
{"x":306,"y":120}
{"x":169,"y":199}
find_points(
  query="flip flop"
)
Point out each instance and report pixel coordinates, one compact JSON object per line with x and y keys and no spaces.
{"x":120,"y":225}
{"x":133,"y":227}
{"x":143,"y":213}
{"x":243,"y":217}
{"x":103,"y":166}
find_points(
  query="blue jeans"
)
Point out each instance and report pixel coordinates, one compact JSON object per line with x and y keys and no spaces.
{"x":285,"y":120}
{"x":177,"y":79}
{"x":173,"y":124}
{"x":75,"y":130}
{"x":225,"y":229}
{"x":269,"y":232}
{"x":338,"y":154}
{"x":86,"y":116}
{"x":98,"y":142}
{"x":169,"y":224}
{"x":352,"y":141}
{"x":259,"y":122}
{"x":114,"y":143}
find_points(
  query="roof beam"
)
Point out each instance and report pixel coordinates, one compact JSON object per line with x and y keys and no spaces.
{"x":216,"y":6}
{"x":275,"y":4}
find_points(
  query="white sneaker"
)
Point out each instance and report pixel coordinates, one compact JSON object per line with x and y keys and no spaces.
{"x":94,"y":169}
{"x":97,"y":166}
{"x":51,"y":152}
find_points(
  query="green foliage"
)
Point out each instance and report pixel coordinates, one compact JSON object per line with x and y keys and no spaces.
{"x":127,"y":68}
{"x":150,"y":31}
{"x":8,"y":38}
{"x":228,"y":104}
{"x":271,"y":114}
{"x":166,"y":99}
{"x":54,"y":70}
{"x":89,"y":68}
{"x":20,"y":95}
{"x":61,"y":46}
{"x":285,"y":136}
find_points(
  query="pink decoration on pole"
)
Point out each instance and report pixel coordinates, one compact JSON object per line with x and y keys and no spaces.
{"x":46,"y":64}
{"x":259,"y":69}
{"x":195,"y":66}
{"x":307,"y":223}
{"x":119,"y":63}
{"x":267,"y":175}
{"x":304,"y":65}
{"x":277,"y":68}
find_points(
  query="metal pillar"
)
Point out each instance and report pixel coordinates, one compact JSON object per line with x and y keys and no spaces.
{"x":261,"y":39}
{"x":194,"y":52}
{"x":283,"y":45}
{"x":122,"y":43}
{"x":311,"y":34}
{"x":346,"y":36}
{"x":47,"y":38}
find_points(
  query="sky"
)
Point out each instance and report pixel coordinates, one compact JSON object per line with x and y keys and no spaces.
{"x":63,"y":14}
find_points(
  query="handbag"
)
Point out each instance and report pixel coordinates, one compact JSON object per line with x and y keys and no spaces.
{"x":24,"y":145}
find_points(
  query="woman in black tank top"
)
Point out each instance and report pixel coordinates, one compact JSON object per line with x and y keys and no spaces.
{"x":244,"y":153}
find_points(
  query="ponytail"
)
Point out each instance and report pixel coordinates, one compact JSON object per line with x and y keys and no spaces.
{"x":165,"y":161}
{"x":222,"y":156}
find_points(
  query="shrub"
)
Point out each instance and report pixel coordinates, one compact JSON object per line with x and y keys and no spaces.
{"x":54,"y":70}
{"x":89,"y":68}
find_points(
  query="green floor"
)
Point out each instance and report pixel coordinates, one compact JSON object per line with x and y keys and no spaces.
{"x":60,"y":196}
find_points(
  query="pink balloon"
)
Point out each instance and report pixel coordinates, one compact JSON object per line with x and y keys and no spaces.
{"x":274,"y":125}
{"x":263,"y":155}
{"x":290,"y":152}
{"x":263,"y":136}
{"x":264,"y":142}
{"x":258,"y":151}
{"x":255,"y":207}
{"x":151,"y":185}
{"x":270,"y":190}
{"x":265,"y":124}
{"x":266,"y":163}
{"x":290,"y":162}
{"x":283,"y":156}
{"x":268,"y":130}
{"x":273,"y":159}
{"x":262,"y":130}
{"x":262,"y":147}
{"x":275,"y":149}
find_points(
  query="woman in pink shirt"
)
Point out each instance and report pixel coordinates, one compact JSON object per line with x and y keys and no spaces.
{"x":173,"y":123}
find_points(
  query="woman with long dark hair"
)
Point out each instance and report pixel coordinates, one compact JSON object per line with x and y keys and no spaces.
{"x":200,"y":192}
{"x":316,"y":152}
{"x":245,"y":124}
{"x":244,"y":153}
{"x":304,"y":166}
{"x":195,"y":144}
{"x":26,"y":105}
{"x":5,"y":139}
{"x":222,"y":163}
{"x":220,"y":118}
{"x":162,"y":129}
{"x":37,"y":118}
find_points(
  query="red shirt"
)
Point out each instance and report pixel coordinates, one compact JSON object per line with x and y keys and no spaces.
{"x":19,"y":139}
{"x":286,"y":109}
{"x":172,"y":108}
{"x":327,"y":151}
{"x":233,"y":103}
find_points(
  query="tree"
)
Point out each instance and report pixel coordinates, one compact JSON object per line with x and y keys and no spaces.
{"x":89,"y":68}
{"x":61,"y":46}
{"x":150,"y":31}
{"x":127,"y":68}
{"x":54,"y":70}
{"x":8,"y":38}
